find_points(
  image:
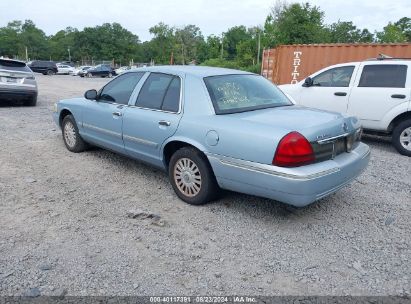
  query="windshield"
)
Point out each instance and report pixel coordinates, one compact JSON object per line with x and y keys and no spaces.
{"x":240,"y":93}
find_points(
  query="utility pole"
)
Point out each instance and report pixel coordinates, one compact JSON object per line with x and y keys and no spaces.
{"x":259,"y":47}
{"x":69,"y":54}
{"x":27,"y":56}
{"x":222,"y":46}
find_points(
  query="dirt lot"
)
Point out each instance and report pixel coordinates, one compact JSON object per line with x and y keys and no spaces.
{"x":65,"y":225}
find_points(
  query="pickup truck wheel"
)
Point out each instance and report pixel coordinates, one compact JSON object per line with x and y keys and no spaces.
{"x":401,"y":137}
{"x":191,"y":176}
{"x":71,"y":136}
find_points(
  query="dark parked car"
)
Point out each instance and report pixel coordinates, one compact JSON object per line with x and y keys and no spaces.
{"x":100,"y":70}
{"x":44,"y":67}
{"x":17,"y":82}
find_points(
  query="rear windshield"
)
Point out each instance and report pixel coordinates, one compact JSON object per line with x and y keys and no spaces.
{"x":241,"y":93}
{"x":13,"y":65}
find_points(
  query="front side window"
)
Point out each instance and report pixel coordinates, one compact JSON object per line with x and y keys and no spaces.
{"x":160,"y":92}
{"x":241,"y":93}
{"x":119,"y":89}
{"x":336,"y":77}
{"x":383,"y":76}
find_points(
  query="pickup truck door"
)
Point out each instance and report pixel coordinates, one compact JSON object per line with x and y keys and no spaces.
{"x":378,"y":89}
{"x":153,"y":117}
{"x":103,"y":118}
{"x":330,"y":90}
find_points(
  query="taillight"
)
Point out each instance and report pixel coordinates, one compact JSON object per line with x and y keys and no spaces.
{"x":293,"y":150}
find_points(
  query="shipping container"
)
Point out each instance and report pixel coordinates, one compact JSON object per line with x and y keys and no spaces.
{"x":292,"y":63}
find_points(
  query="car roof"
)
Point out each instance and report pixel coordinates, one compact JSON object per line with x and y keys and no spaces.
{"x":197,"y":71}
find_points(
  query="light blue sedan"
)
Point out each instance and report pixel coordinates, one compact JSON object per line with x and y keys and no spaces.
{"x":213,"y":128}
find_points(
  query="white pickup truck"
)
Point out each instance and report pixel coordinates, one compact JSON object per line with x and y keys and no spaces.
{"x":376,"y":91}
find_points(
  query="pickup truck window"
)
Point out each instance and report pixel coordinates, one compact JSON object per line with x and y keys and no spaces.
{"x":383,"y":76}
{"x":119,"y":90}
{"x":336,"y":77}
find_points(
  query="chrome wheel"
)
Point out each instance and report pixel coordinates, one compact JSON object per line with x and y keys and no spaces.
{"x":187,"y":177}
{"x":405,"y":138}
{"x":70,"y":134}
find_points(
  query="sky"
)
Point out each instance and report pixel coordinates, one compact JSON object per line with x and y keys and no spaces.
{"x":212,"y":16}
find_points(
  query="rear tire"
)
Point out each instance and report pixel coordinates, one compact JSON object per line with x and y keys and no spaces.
{"x":89,"y":75}
{"x":192,"y":177}
{"x":50,"y":72}
{"x":71,"y":136}
{"x":401,"y":137}
{"x":31,"y":102}
{"x":110,"y":75}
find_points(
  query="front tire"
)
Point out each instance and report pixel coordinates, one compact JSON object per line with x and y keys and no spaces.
{"x":89,"y":75}
{"x":110,"y":75}
{"x":71,"y":136}
{"x":191,"y":176}
{"x":401,"y":137}
{"x":50,"y":72}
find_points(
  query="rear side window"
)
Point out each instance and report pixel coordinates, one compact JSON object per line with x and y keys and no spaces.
{"x":160,"y":92}
{"x":383,"y":76}
{"x":119,"y":89}
{"x":172,"y":98}
{"x":336,"y":77}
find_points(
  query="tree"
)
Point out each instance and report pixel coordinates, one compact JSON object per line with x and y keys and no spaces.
{"x":61,"y":42}
{"x":10,"y":45}
{"x":108,"y":42}
{"x":34,"y":39}
{"x":391,"y":33}
{"x":295,"y":23}
{"x":210,"y":49}
{"x":404,"y":24}
{"x":162,"y":44}
{"x":233,"y":37}
{"x":347,"y":32}
{"x":16,"y":36}
{"x":187,"y":41}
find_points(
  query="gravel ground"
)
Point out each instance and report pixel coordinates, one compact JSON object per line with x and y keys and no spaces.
{"x":67,"y":224}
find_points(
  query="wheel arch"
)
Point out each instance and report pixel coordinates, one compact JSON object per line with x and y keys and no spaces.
{"x":63,"y":113}
{"x":398,"y":119}
{"x":175,"y":144}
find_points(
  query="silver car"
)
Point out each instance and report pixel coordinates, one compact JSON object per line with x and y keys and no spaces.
{"x":17,"y":82}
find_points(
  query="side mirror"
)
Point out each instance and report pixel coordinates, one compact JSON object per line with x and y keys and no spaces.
{"x":91,"y":94}
{"x":308,"y":82}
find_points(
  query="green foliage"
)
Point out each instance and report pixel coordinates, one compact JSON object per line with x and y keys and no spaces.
{"x":404,"y":24}
{"x":222,"y":63}
{"x":232,"y":38}
{"x":347,"y":32}
{"x":391,"y":33}
{"x":16,"y":36}
{"x":231,"y":64}
{"x":295,"y":23}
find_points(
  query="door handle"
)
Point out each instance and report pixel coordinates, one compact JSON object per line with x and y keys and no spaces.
{"x":400,"y":96}
{"x":340,"y":94}
{"x":118,"y":114}
{"x":164,"y":123}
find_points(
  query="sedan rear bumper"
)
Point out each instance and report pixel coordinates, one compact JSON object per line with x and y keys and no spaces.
{"x":299,"y":186}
